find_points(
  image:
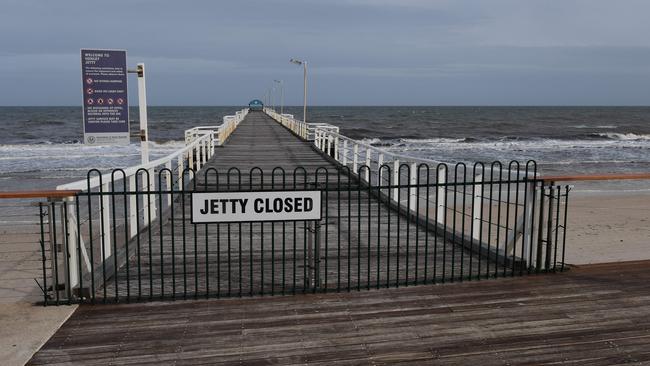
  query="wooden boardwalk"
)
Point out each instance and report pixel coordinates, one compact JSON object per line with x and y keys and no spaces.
{"x":364,"y":243}
{"x":593,"y":315}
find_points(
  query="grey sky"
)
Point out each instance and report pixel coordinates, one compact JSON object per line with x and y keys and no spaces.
{"x":360,"y":52}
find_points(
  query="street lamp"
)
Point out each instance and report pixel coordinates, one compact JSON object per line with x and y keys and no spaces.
{"x":280,"y":82}
{"x":304,"y":68}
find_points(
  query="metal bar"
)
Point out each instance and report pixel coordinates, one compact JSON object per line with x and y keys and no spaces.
{"x":549,"y":228}
{"x":43,"y":255}
{"x":566,"y":212}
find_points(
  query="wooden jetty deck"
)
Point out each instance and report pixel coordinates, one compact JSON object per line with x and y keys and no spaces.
{"x":591,"y":315}
{"x":364,"y":243}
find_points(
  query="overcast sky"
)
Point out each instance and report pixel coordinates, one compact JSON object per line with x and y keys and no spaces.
{"x":360,"y":52}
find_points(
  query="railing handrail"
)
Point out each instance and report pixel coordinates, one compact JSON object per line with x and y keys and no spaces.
{"x":206,"y":135}
{"x":105,"y":178}
{"x":38,"y":194}
{"x":383,"y":151}
{"x":595,"y":177}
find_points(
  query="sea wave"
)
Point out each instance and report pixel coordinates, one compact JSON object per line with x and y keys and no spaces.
{"x":19,"y":158}
{"x":623,"y":136}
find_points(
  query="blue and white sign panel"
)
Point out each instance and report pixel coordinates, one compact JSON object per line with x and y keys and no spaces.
{"x":105,"y":100}
{"x":209,"y":207}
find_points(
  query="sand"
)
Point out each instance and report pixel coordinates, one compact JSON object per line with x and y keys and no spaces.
{"x":608,"y":227}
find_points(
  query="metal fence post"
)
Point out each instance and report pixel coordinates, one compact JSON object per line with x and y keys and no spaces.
{"x":549,"y":227}
{"x":310,"y":255}
{"x":133,"y":212}
{"x":317,"y":238}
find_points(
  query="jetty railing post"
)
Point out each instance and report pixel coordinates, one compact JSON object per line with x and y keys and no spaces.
{"x":180,"y":167}
{"x":133,"y":211}
{"x":355,"y":158}
{"x":202,"y":152}
{"x":477,"y":207}
{"x":151,"y":207}
{"x":54,"y":265}
{"x":380,"y":162}
{"x":106,"y":220}
{"x":72,"y":278}
{"x":328,"y":144}
{"x":396,"y":180}
{"x":197,"y":151}
{"x":211,"y":144}
{"x":142,"y":99}
{"x":442,"y":181}
{"x":168,"y":182}
{"x":528,"y":219}
{"x":345,"y":153}
{"x":337,"y":155}
{"x":368,"y":151}
{"x":190,"y":158}
{"x":412,"y":189}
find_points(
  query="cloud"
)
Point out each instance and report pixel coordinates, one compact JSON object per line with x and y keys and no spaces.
{"x":220,"y":52}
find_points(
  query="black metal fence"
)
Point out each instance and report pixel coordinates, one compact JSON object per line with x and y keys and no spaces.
{"x":420,"y":225}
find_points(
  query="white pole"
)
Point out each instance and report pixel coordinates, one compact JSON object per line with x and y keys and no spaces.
{"x":142,"y":99}
{"x":304,"y":107}
{"x":133,"y":212}
{"x":442,"y":189}
{"x":413,"y":190}
{"x":477,"y":208}
{"x":396,"y":181}
{"x":106,"y":228}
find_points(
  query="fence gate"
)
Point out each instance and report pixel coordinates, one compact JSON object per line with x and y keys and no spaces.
{"x":399,"y":225}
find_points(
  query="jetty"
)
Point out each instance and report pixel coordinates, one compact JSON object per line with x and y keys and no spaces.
{"x":277,"y":239}
{"x":385,"y":220}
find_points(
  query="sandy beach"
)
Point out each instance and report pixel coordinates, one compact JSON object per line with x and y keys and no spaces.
{"x":608,"y":227}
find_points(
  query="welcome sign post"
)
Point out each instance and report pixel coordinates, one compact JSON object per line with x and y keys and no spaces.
{"x":105,"y":99}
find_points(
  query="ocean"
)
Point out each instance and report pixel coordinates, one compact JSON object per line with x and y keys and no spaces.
{"x":40,"y":147}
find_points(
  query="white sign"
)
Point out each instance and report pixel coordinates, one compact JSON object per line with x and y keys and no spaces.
{"x":255,"y":206}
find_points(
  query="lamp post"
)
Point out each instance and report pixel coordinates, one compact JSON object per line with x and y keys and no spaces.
{"x":280,"y":82}
{"x":304,"y":73}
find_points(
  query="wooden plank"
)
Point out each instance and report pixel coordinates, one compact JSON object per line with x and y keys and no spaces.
{"x":594,"y":314}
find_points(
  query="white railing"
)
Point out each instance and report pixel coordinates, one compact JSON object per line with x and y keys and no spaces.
{"x":371,"y":165}
{"x":161,"y":175}
{"x":306,"y":131}
{"x":221,"y":132}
